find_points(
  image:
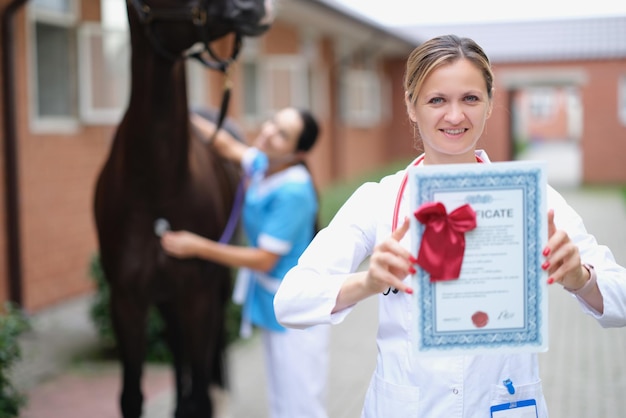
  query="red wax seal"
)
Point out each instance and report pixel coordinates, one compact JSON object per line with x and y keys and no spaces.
{"x":480,"y":319}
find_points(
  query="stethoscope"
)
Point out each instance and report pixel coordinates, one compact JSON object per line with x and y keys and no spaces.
{"x":396,"y":209}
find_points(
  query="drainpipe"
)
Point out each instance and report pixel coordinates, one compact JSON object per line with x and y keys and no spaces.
{"x":14,"y":267}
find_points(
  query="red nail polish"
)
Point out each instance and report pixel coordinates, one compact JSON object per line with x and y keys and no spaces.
{"x":550,"y":280}
{"x":409,"y":291}
{"x":412,"y":270}
{"x":412,"y":259}
{"x":545,"y":265}
{"x":546,"y":251}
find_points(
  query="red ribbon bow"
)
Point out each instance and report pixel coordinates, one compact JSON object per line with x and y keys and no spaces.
{"x":443,"y":243}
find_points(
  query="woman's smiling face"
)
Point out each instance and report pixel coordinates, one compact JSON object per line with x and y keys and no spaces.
{"x":279,"y":136}
{"x":450,"y":112}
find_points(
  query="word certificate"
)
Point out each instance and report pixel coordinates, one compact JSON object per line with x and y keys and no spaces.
{"x":499,"y":302}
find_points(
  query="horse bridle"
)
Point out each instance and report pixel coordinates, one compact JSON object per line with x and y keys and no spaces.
{"x":198,"y":14}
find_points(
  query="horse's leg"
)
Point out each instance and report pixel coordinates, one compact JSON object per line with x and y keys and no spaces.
{"x":201,"y":351}
{"x":129,"y":322}
{"x":174,"y":341}
{"x":182,"y":336}
{"x":207,"y":340}
{"x":217,"y":374}
{"x":202,"y":323}
{"x":192,"y":368}
{"x":188,"y":342}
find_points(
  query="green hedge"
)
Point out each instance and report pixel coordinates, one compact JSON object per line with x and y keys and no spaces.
{"x":334,"y":196}
{"x":12,"y":324}
{"x":331,"y":199}
{"x":157,"y":350}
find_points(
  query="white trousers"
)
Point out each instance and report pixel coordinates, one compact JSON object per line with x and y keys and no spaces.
{"x":297,"y":369}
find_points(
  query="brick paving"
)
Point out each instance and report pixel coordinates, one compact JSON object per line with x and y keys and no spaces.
{"x":584,"y":371}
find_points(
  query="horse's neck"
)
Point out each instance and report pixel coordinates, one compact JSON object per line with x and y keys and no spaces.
{"x":157,"y":115}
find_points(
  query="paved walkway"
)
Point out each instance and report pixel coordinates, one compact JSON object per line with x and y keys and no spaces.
{"x":57,"y":388}
{"x":584,"y":371}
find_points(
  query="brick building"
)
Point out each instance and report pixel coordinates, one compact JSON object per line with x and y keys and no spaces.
{"x":560,"y":87}
{"x":65,"y":72}
{"x":66,"y":88}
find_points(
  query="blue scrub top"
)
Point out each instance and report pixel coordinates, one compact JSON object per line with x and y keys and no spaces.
{"x":279,"y":216}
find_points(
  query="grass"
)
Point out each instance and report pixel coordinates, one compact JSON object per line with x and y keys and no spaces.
{"x":334,"y":196}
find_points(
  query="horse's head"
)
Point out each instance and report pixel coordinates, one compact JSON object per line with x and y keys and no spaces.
{"x":247,"y":17}
{"x":174,"y":26}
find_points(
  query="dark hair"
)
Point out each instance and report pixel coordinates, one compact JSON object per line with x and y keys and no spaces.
{"x":308,"y":137}
{"x":310,"y":131}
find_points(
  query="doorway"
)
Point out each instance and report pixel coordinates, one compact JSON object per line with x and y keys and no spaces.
{"x":547,"y":125}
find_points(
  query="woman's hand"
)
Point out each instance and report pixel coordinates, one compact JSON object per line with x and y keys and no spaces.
{"x":204,"y":126}
{"x":564,"y":266}
{"x":181,"y":244}
{"x":390,"y":263}
{"x":562,"y":260}
{"x":224,"y":143}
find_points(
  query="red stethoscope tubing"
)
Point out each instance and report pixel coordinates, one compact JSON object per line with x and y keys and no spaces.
{"x":396,"y":209}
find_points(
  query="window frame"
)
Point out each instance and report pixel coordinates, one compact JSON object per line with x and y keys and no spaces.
{"x":88,"y":112}
{"x":621,"y":99}
{"x":70,"y":21}
{"x":262,"y":92}
{"x":358,"y":85}
{"x":542,"y":102}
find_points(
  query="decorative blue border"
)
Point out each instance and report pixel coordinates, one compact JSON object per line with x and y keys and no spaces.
{"x":526,"y":180}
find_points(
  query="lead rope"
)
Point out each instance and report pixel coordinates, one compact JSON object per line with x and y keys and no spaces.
{"x":233,"y":219}
{"x":162,"y":225}
{"x":228,"y":85}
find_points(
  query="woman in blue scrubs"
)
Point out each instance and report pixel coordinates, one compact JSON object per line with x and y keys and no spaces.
{"x":279,"y":220}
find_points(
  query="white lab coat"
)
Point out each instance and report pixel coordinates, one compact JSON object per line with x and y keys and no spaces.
{"x":404,"y":383}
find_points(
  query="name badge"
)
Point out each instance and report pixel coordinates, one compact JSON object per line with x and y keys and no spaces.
{"x":519,"y":409}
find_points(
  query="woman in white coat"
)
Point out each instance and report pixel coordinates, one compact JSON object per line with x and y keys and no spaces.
{"x":448,"y":90}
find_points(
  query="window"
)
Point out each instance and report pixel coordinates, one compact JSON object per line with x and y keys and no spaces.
{"x":197,"y":86}
{"x":55,"y":95}
{"x":542,"y":102}
{"x":104,"y":73}
{"x":251,"y":101}
{"x":104,"y":65}
{"x":55,"y":6}
{"x":362,"y":96}
{"x":273,"y":83}
{"x":621,"y":107}
{"x":104,"y":53}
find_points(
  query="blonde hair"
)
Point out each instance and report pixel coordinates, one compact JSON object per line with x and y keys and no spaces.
{"x":439,"y":51}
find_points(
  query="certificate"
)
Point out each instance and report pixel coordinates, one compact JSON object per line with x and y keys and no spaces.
{"x":499,"y":301}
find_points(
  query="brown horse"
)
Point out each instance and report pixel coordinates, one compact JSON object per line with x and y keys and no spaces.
{"x":157,"y":170}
